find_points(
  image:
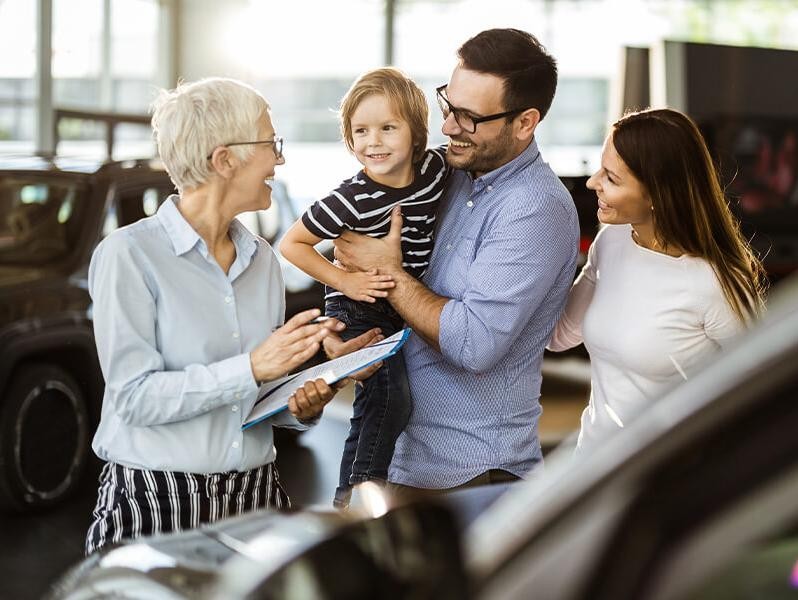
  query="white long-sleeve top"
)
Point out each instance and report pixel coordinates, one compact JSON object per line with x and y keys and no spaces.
{"x":646,"y":318}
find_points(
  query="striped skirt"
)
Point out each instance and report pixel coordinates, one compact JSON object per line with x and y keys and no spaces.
{"x":136,"y":502}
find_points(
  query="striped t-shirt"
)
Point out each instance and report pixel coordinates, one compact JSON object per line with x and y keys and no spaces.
{"x":362,"y":205}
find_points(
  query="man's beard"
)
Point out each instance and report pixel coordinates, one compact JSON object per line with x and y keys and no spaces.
{"x":487,"y":156}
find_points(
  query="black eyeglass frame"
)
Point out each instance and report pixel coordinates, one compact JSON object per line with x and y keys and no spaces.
{"x":451,"y":108}
{"x":278,"y":142}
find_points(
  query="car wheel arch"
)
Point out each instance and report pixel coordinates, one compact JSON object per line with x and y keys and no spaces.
{"x":45,"y":430}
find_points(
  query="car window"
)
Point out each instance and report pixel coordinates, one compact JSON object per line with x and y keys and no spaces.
{"x":40,"y":220}
{"x":134,"y":204}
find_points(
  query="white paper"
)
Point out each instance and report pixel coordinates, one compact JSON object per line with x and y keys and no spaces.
{"x":273,"y":395}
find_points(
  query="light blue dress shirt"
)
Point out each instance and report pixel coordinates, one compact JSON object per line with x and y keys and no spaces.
{"x":173,"y":336}
{"x":505,"y":253}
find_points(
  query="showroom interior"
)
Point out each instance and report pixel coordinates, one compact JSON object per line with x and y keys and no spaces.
{"x":694,"y":500}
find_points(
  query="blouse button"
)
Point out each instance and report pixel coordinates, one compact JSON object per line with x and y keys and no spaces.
{"x":469,"y":204}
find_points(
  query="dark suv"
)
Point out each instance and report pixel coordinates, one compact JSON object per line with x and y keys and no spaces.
{"x":53,"y":212}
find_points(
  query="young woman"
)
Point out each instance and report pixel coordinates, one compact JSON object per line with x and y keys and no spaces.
{"x":669,"y":280}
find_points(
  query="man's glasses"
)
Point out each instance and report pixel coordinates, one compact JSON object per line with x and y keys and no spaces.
{"x":277,"y":141}
{"x":465,"y":119}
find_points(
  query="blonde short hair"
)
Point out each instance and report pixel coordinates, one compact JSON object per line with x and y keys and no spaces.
{"x":193,"y":119}
{"x":404,"y":95}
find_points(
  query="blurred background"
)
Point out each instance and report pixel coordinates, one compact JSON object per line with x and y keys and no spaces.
{"x":70,"y":66}
{"x":111,"y":55}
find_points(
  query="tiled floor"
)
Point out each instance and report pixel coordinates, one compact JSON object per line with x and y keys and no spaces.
{"x":36,"y":549}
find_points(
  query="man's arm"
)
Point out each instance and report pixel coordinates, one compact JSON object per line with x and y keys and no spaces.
{"x":519,"y":260}
{"x":419,"y":307}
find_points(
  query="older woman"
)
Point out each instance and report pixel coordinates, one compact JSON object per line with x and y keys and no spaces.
{"x":185,"y":303}
{"x":669,"y":279}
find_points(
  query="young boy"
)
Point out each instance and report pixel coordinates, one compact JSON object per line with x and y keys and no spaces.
{"x":384,"y":124}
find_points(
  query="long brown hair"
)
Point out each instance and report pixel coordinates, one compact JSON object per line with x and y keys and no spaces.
{"x":666,"y":152}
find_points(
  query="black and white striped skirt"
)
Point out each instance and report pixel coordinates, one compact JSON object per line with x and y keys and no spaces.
{"x":136,"y":502}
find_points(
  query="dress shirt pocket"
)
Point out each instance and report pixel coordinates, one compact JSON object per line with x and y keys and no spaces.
{"x":452,"y":280}
{"x":466,"y":249}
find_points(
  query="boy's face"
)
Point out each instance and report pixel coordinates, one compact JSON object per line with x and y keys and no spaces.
{"x":383,"y":142}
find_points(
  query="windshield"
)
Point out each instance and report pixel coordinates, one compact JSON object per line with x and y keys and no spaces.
{"x":39,"y":220}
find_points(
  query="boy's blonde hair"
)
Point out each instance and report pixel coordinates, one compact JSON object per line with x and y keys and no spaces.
{"x":404,"y":95}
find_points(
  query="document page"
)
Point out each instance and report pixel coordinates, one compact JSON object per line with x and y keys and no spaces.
{"x":273,"y":395}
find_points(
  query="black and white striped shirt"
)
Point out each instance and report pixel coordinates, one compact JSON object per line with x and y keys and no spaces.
{"x":362,"y":205}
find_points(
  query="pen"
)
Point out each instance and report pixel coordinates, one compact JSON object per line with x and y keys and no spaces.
{"x":315,"y":321}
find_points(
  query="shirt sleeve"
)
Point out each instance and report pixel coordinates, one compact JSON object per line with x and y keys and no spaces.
{"x":568,"y":331}
{"x":515,"y":266}
{"x":329,"y":217}
{"x":138,"y":388}
{"x":721,"y":324}
{"x":285,"y":419}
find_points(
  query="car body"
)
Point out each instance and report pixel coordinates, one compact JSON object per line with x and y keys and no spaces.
{"x":695,"y":498}
{"x":53,"y":212}
{"x":701,"y":483}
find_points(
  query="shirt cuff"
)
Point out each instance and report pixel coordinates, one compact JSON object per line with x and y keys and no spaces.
{"x":452,"y":331}
{"x":234,"y":375}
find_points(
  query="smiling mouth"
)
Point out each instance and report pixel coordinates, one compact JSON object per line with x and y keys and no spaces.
{"x":459,"y":144}
{"x":378,"y":156}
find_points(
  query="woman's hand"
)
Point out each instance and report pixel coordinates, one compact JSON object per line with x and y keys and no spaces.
{"x":291,"y":345}
{"x":335,"y":347}
{"x":365,"y":286}
{"x":309,"y":401}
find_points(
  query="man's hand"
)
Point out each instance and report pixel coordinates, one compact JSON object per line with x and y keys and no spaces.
{"x":335,"y":347}
{"x":365,"y":286}
{"x":309,"y":401}
{"x":363,"y":253}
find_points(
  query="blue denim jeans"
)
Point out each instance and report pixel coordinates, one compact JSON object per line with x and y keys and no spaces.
{"x":382,"y":402}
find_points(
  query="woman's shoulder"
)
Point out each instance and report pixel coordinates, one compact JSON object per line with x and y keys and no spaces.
{"x":130,"y":236}
{"x":702,"y":275}
{"x":613,"y":235}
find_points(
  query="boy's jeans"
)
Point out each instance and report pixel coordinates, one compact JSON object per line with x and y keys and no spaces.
{"x":382,"y":403}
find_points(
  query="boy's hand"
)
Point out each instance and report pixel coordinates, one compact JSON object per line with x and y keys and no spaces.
{"x":365,"y":286}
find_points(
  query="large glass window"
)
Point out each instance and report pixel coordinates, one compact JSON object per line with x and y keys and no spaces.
{"x":104,"y":70}
{"x":304,"y":55}
{"x":17,"y":72}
